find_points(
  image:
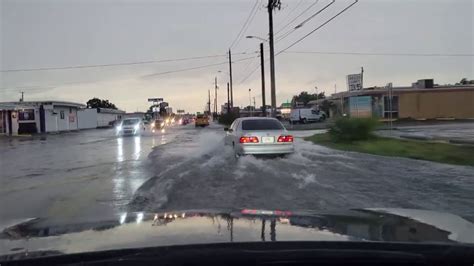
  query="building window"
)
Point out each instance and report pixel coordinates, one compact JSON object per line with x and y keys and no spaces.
{"x":390,"y":109}
{"x":26,"y":115}
{"x":70,"y":110}
{"x":61,"y":114}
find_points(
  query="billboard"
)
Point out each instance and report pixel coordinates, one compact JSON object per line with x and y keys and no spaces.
{"x":360,"y":106}
{"x":354,"y":82}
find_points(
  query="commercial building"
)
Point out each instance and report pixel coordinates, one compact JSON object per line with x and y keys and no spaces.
{"x":422,"y":100}
{"x":38,"y":117}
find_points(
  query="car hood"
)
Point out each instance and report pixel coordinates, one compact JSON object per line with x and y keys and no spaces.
{"x":25,"y":238}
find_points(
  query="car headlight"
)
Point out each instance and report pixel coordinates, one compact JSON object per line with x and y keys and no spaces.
{"x":163,"y":124}
{"x":119,"y":128}
{"x":153,"y":124}
{"x":137,"y":126}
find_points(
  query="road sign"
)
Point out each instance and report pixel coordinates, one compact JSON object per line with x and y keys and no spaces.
{"x":155,"y":99}
{"x":354,"y":82}
{"x":180,"y":111}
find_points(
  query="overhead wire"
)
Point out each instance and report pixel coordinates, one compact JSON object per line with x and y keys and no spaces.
{"x":380,"y":54}
{"x":115,"y":64}
{"x":295,"y":18}
{"x":303,"y":22}
{"x":319,"y":27}
{"x":245,"y":25}
{"x":291,"y":11}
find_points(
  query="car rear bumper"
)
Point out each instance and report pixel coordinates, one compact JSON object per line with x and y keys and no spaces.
{"x":266,"y":149}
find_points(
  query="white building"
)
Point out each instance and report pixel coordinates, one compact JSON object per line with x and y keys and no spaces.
{"x":38,"y":117}
{"x":98,"y":117}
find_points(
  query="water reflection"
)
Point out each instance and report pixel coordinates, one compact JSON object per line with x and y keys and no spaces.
{"x":368,"y":226}
{"x":137,"y":148}
{"x":119,"y":150}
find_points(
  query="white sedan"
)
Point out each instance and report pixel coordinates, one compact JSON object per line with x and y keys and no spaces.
{"x":259,"y":135}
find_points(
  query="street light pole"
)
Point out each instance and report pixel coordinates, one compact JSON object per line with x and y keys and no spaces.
{"x":215,"y":96}
{"x":262,"y":64}
{"x":250,"y":102}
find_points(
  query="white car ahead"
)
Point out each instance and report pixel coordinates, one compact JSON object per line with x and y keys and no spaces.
{"x":259,"y":135}
{"x":130,"y":126}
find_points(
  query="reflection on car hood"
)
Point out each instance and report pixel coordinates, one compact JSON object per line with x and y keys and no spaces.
{"x":130,"y":230}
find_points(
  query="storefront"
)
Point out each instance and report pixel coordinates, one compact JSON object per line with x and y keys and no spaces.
{"x":38,"y":117}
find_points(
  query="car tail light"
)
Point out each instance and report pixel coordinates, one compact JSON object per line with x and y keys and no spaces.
{"x":287,"y":138}
{"x":248,"y":140}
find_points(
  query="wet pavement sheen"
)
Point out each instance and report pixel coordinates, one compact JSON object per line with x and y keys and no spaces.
{"x":91,"y":174}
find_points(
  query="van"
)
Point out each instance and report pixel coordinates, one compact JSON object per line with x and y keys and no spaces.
{"x":306,"y":115}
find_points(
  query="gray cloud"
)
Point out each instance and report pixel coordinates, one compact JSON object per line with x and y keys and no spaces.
{"x":49,"y":33}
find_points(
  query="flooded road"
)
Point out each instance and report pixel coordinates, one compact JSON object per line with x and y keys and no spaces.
{"x":91,"y":174}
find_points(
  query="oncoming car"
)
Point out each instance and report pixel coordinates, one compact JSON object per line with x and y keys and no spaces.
{"x":259,"y":135}
{"x":130,"y":126}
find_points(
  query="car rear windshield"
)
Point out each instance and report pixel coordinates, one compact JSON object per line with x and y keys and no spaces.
{"x":130,"y":122}
{"x":261,"y":124}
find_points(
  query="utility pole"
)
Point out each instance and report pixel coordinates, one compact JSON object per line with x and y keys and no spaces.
{"x":228,"y":99}
{"x":362,"y":78}
{"x":262,"y":64}
{"x":230,"y":80}
{"x":271,"y":5}
{"x":22,"y":96}
{"x":215,"y":95}
{"x":209,"y":102}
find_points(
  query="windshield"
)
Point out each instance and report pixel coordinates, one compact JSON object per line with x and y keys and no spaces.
{"x":261,"y":124}
{"x":128,"y":122}
{"x":251,"y":109}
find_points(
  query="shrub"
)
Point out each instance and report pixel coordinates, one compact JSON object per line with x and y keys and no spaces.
{"x":227,"y":119}
{"x":351,"y":129}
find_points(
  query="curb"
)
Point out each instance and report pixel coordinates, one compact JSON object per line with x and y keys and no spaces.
{"x":416,"y":137}
{"x":461,"y":141}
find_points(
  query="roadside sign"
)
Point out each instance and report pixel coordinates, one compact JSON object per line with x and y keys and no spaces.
{"x":180,"y":111}
{"x":354,"y":82}
{"x":155,"y":99}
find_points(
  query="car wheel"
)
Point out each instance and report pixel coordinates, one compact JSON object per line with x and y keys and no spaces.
{"x":305,"y":121}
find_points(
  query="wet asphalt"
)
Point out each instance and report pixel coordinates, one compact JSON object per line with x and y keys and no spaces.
{"x":92,"y":174}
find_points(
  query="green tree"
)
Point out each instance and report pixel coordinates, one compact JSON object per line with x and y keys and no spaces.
{"x":98,"y":103}
{"x":305,"y":97}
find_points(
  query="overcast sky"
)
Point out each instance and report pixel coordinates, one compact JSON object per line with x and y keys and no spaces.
{"x":62,"y":33}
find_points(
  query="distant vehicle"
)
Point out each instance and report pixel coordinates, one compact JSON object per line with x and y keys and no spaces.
{"x":259,"y":135}
{"x":130,"y":126}
{"x":201,"y":121}
{"x":306,"y":115}
{"x":184,"y":121}
{"x":157,"y":124}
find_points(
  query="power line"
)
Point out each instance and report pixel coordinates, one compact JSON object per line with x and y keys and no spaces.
{"x":252,"y":72}
{"x":380,"y":54}
{"x":193,"y":68}
{"x":320,"y":26}
{"x":146,"y":76}
{"x":291,"y":11}
{"x":295,"y":18}
{"x":115,"y":64}
{"x":306,"y":20}
{"x":246,"y":24}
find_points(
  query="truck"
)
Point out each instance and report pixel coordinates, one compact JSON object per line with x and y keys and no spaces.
{"x":306,"y":115}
